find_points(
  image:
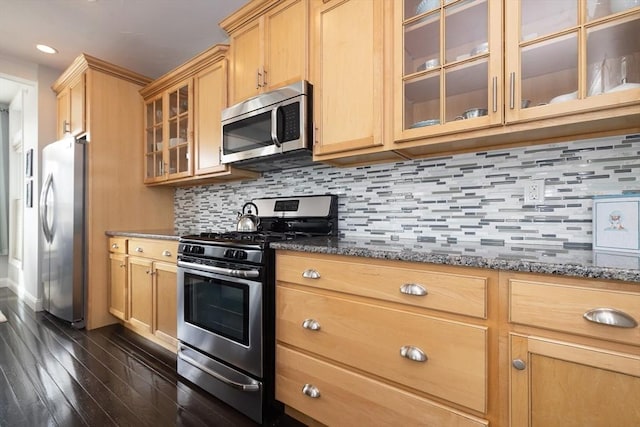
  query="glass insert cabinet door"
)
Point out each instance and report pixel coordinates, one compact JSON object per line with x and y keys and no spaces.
{"x":168,"y":136}
{"x":569,"y":55}
{"x":179,"y":103}
{"x":448,"y":66}
{"x":154,"y":140}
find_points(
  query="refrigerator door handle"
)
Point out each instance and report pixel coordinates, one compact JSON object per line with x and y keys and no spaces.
{"x":44,"y":209}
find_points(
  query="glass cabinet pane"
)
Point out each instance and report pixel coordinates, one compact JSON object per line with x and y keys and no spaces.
{"x":183,"y":100}
{"x":418,"y":7}
{"x":422,"y":101}
{"x":541,"y":17}
{"x":466,"y":91}
{"x":550,"y":71}
{"x":613,"y":56}
{"x":422,"y":44}
{"x":466,"y":29}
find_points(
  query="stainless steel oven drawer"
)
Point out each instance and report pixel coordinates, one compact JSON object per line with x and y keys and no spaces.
{"x":233,"y":387}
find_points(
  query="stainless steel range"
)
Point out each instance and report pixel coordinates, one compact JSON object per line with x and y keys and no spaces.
{"x":226,"y":301}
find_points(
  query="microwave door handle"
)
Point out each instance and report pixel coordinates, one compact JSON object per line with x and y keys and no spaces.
{"x":274,"y":127}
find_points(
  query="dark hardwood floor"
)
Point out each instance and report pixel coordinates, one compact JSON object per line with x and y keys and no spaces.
{"x":54,"y":375}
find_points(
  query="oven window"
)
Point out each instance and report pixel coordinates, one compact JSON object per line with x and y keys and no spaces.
{"x":218,"y":306}
{"x":247,"y":134}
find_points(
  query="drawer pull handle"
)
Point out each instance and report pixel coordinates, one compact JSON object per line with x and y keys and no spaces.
{"x":115,"y":246}
{"x":139,"y":249}
{"x":413,"y":353}
{"x":413,"y":289}
{"x":311,"y":324}
{"x":519,"y":364}
{"x":310,"y":274}
{"x":166,"y":253}
{"x":611,"y":317}
{"x":311,"y":391}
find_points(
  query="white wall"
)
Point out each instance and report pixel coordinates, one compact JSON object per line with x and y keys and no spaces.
{"x":39,"y":122}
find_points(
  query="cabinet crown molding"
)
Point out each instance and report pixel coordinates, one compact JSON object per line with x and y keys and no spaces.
{"x":86,"y":62}
{"x":252,"y":10}
{"x":190,"y":68}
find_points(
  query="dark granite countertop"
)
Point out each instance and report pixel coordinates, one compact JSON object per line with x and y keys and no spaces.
{"x":517,"y":257}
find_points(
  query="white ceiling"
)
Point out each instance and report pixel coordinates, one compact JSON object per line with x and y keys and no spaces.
{"x":150,"y":37}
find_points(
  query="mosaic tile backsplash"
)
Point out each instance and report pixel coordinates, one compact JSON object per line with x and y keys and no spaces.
{"x":476,"y":197}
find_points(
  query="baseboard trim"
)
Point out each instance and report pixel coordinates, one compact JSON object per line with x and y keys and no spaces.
{"x":32,"y":302}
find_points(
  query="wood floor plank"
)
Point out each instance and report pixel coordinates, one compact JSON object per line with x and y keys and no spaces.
{"x":31,"y":402}
{"x":54,"y":375}
{"x":42,"y":378}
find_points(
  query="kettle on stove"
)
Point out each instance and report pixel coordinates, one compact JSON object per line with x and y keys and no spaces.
{"x":248,"y":222}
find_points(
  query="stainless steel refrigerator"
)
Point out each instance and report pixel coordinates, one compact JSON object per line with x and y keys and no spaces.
{"x":62,"y":224}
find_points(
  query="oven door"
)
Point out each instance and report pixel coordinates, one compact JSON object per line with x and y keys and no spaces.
{"x":221,"y":316}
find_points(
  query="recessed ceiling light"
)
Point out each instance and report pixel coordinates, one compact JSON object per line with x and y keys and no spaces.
{"x":46,"y":49}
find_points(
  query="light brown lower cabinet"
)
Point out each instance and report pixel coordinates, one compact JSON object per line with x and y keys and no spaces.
{"x":152,"y":290}
{"x":574,"y":352}
{"x":337,"y":396}
{"x":364,"y":341}
{"x":358,"y":342}
{"x":118,"y":277}
{"x":561,"y":384}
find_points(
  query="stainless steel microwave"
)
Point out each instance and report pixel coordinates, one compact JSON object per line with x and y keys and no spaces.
{"x":270,"y":131}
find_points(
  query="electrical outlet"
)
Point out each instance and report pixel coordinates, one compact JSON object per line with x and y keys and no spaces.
{"x":534,"y":192}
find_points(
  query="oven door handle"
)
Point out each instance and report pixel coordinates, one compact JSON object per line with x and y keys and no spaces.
{"x":234,"y":384}
{"x":247,"y":274}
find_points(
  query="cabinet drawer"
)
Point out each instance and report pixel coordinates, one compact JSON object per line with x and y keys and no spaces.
{"x":347,"y":398}
{"x":163,"y":250}
{"x":118,"y":245}
{"x":452,"y":292}
{"x":371,"y":337}
{"x":562,"y":308}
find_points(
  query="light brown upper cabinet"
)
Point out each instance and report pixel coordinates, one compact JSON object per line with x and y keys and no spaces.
{"x":169,"y":134}
{"x":269,"y":46}
{"x":183,"y":123}
{"x":474,"y":75}
{"x":71,"y":107}
{"x":350,"y":73}
{"x":448,"y":66}
{"x":571,"y":56}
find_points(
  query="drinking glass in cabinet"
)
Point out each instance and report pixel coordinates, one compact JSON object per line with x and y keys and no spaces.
{"x":422,"y":101}
{"x":599,"y":8}
{"x":549,"y":70}
{"x":422,"y":44}
{"x":466,"y":29}
{"x":542,"y":17}
{"x":613,"y":56}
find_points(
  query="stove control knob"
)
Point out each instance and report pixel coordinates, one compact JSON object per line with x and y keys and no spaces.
{"x":229,"y":253}
{"x":198,"y":250}
{"x":241,"y":255}
{"x":186,"y":249}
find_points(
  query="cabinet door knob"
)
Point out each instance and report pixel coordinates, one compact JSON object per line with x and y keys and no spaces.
{"x":139,"y":249}
{"x":413,"y":353}
{"x":311,"y":391}
{"x":166,"y":253}
{"x":519,"y":364}
{"x":310,"y":273}
{"x":311,"y":324}
{"x":413,"y":289}
{"x":115,"y":246}
{"x":610,"y":317}
{"x":123,"y":265}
